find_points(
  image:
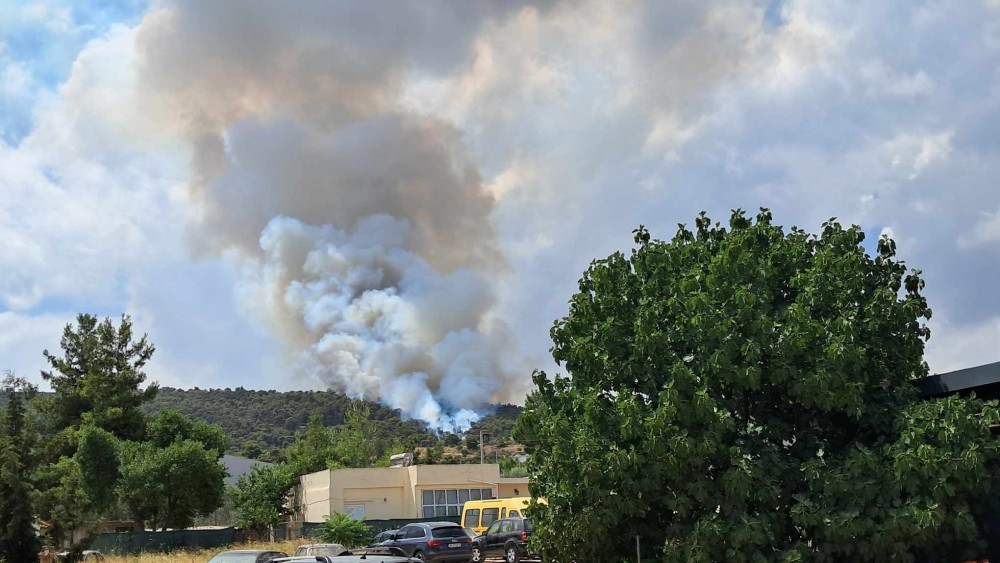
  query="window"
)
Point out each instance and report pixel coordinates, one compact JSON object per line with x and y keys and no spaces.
{"x":503,"y":512}
{"x":505,"y":526}
{"x":515,"y":514}
{"x":449,"y":532}
{"x":490,"y":515}
{"x":471,"y":518}
{"x":493,"y":529}
{"x":416,"y":532}
{"x":448,"y":502}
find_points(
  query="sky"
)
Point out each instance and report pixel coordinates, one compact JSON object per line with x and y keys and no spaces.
{"x":396,"y":200}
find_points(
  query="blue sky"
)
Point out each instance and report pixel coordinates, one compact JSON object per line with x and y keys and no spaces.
{"x":396,"y":200}
{"x":41,"y":40}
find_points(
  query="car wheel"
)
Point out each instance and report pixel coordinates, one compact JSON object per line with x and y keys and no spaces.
{"x":419,"y":556}
{"x":512,"y":555}
{"x":477,"y":555}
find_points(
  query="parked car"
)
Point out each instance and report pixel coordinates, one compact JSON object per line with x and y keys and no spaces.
{"x":382,"y":537}
{"x":327,"y":549}
{"x":381,"y":554}
{"x":471,"y":533}
{"x":507,"y":538}
{"x":88,"y":556}
{"x":247,"y":556}
{"x":433,"y":541}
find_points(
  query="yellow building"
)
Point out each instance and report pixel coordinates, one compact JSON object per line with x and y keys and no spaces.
{"x":417,"y":491}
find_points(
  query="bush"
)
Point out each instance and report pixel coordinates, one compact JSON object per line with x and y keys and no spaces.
{"x":341,"y":528}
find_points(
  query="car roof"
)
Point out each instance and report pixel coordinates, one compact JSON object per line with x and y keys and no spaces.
{"x":436,"y":524}
{"x":248,"y":551}
{"x":322,"y":545}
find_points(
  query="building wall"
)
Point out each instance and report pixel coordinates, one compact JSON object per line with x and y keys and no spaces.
{"x":399,"y":492}
{"x":313,"y":496}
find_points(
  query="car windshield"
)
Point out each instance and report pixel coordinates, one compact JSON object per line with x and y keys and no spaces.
{"x":449,"y":532}
{"x":328,"y":550}
{"x":234,"y":558}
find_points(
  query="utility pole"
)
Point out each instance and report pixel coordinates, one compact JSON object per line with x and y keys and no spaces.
{"x":481,"y":445}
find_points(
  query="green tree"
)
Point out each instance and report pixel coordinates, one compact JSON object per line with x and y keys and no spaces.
{"x":342,"y":529}
{"x":314,"y":450}
{"x":99,"y":375}
{"x":97,"y":458}
{"x":357,"y":444}
{"x":18,"y":541}
{"x":261,"y":496}
{"x":744,"y":394}
{"x":169,"y":426}
{"x":168,"y":487}
{"x":61,"y":500}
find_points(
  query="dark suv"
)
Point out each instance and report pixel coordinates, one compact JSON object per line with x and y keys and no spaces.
{"x":507,"y":537}
{"x":433,"y":541}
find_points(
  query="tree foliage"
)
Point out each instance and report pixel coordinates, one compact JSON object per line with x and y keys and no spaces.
{"x":174,"y":477}
{"x":99,"y":375}
{"x":348,"y":532}
{"x":744,"y":394}
{"x":261,"y":496}
{"x":18,"y":541}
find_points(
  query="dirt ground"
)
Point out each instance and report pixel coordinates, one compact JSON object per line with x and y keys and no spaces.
{"x":202,"y":556}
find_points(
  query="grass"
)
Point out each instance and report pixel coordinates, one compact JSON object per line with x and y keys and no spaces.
{"x":203,"y":555}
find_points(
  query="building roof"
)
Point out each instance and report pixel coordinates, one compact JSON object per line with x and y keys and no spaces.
{"x":983,"y":380}
{"x":238,"y":466}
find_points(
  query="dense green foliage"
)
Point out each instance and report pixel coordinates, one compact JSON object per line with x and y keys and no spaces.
{"x":99,"y":378}
{"x":342,"y":529}
{"x":744,"y":394}
{"x":17,"y":534}
{"x":100,"y":455}
{"x":261,"y":496}
{"x":261,"y":424}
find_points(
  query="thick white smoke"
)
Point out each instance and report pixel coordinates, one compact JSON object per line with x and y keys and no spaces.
{"x":363,"y":230}
{"x":377,"y":320}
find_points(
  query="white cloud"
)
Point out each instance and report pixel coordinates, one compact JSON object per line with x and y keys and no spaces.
{"x":985,"y":231}
{"x":570,"y":123}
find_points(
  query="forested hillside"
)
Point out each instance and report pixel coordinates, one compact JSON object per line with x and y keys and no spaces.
{"x":261,"y":423}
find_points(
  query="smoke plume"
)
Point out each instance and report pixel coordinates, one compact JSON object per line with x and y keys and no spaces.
{"x":363,"y":230}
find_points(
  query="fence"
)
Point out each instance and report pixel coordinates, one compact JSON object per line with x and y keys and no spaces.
{"x":127,"y":543}
{"x":123,"y":543}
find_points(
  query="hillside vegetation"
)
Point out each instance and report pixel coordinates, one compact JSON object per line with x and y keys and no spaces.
{"x":261,"y":424}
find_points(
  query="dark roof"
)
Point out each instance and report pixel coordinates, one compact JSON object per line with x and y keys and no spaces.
{"x":983,"y":380}
{"x":237,"y":466}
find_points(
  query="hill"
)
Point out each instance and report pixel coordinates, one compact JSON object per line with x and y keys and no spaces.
{"x":261,"y":423}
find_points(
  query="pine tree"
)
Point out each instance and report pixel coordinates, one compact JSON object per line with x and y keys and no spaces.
{"x":18,"y":541}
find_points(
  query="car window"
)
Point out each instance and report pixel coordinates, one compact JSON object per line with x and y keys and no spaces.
{"x":471,"y":518}
{"x":448,"y":532}
{"x":515,"y":525}
{"x":514,"y":514}
{"x":504,"y":526}
{"x":416,"y":532}
{"x":490,"y":515}
{"x":493,"y":529}
{"x":503,"y":512}
{"x":404,"y":532}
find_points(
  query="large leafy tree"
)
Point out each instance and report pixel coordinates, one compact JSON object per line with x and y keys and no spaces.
{"x":174,"y":476}
{"x":744,"y":394}
{"x":18,"y":541}
{"x":261,"y":496}
{"x":100,"y":375}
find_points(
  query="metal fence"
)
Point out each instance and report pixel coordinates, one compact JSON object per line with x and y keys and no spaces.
{"x":128,"y":543}
{"x":123,"y":543}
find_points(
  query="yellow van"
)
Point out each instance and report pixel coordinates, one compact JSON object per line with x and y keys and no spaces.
{"x":477,"y":515}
